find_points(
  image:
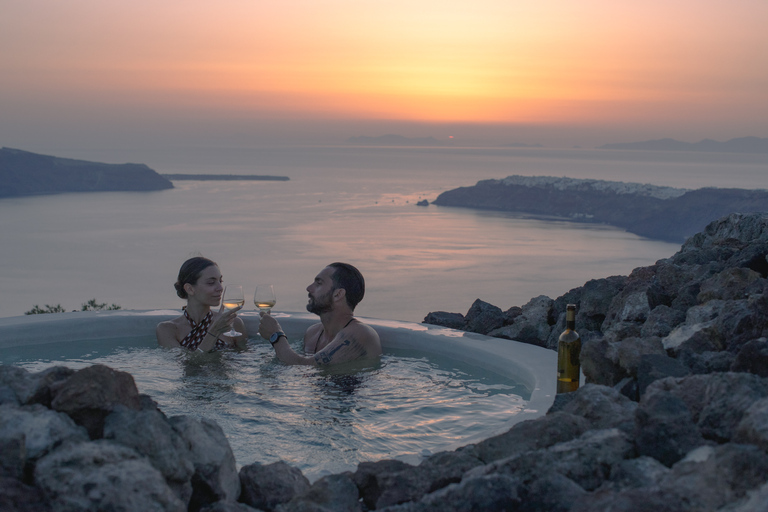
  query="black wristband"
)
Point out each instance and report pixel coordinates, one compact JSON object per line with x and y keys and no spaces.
{"x":276,"y":337}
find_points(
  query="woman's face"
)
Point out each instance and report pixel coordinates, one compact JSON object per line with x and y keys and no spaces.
{"x":208,"y":288}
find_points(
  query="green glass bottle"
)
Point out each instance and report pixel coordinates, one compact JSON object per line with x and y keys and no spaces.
{"x":568,"y":352}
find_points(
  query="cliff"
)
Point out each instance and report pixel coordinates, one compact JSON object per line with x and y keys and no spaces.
{"x":662,"y":213}
{"x":25,"y":174}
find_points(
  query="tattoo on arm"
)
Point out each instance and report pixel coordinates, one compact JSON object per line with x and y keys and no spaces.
{"x":325,"y":358}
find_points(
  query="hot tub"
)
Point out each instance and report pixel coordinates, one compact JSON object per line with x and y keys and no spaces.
{"x":435,"y":389}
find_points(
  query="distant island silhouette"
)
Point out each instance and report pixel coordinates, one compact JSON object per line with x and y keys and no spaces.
{"x":738,"y":145}
{"x":23,"y":173}
{"x":663,"y":213}
{"x":395,"y":140}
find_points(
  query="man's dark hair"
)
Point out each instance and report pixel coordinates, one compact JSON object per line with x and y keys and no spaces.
{"x":351,"y":280}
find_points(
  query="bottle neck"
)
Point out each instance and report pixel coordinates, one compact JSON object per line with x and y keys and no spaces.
{"x":570,"y":319}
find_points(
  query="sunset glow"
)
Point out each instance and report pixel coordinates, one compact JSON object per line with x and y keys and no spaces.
{"x":693,"y":64}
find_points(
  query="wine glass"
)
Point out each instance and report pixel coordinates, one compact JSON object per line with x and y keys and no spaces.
{"x":264,"y":297}
{"x":233,"y":298}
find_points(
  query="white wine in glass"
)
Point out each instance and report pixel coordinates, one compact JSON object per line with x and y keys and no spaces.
{"x":233,"y":298}
{"x":264,"y":297}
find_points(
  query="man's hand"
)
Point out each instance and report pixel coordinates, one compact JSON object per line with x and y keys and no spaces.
{"x":268,"y":325}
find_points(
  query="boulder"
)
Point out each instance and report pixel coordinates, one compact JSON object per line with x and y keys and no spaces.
{"x":752,"y":358}
{"x":444,"y":319}
{"x":661,"y":321}
{"x":150,"y":433}
{"x":267,"y":486}
{"x":15,"y":496}
{"x":102,"y":475}
{"x":41,"y":428}
{"x":753,"y":427}
{"x":215,"y":477}
{"x":727,"y":285}
{"x":333,"y":493}
{"x":533,"y":326}
{"x":90,"y":394}
{"x":483,"y":317}
{"x":601,"y":406}
{"x":555,"y":427}
{"x":653,"y":367}
{"x":664,"y":428}
{"x":717,"y":401}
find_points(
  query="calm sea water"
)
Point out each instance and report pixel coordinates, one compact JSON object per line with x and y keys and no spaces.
{"x":341,"y":204}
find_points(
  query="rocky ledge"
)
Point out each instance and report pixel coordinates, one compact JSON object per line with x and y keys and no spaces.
{"x":663,"y":213}
{"x":674,"y":416}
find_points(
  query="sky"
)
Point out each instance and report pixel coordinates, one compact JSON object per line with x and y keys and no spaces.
{"x":90,"y":73}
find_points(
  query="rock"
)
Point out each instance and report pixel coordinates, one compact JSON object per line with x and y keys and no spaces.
{"x":450,"y":320}
{"x":603,"y":407}
{"x":267,"y":486}
{"x":372,"y":478}
{"x":102,"y":475}
{"x":228,"y":506}
{"x":661,"y":321}
{"x":753,"y":427}
{"x":717,"y":401}
{"x":444,"y":468}
{"x":752,"y":358}
{"x":42,"y":428}
{"x":727,"y":285}
{"x":556,"y":427}
{"x":599,"y":363}
{"x":491,"y":492}
{"x":32,"y":388}
{"x":483,"y":317}
{"x":13,"y":455}
{"x":707,"y":362}
{"x":150,"y":433}
{"x":587,"y":460}
{"x":15,"y":496}
{"x":711,"y":477}
{"x":215,"y":478}
{"x":635,"y":473}
{"x":90,"y":394}
{"x":333,"y":493}
{"x":664,"y":428}
{"x":533,"y":326}
{"x":630,"y":352}
{"x":653,"y":367}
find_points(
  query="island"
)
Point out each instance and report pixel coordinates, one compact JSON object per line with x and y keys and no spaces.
{"x":224,"y":177}
{"x":23,"y":173}
{"x":663,"y":213}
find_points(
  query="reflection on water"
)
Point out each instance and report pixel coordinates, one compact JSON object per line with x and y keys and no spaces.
{"x":320,"y":420}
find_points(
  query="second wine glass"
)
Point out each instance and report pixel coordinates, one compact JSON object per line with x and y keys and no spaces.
{"x":264,"y":297}
{"x":233,"y":298}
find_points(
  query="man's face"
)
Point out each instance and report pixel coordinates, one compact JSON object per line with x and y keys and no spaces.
{"x":321,"y":292}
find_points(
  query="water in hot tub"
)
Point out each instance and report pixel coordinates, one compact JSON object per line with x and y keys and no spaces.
{"x":406,"y":406}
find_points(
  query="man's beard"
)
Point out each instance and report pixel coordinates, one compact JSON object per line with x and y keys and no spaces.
{"x":320,"y":305}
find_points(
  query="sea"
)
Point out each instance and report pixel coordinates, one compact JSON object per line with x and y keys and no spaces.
{"x":341,"y":203}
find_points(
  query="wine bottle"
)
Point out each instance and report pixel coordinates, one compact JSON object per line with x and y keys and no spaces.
{"x":568,"y":352}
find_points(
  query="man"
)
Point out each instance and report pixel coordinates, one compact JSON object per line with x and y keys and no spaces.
{"x":339,"y":337}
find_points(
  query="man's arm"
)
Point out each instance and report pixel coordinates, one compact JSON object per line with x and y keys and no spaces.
{"x":360,"y":342}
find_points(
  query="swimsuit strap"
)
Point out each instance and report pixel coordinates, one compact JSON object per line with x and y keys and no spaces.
{"x":198,"y":332}
{"x":323,"y":331}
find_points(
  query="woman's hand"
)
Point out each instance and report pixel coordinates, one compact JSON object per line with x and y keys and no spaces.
{"x":222,"y":321}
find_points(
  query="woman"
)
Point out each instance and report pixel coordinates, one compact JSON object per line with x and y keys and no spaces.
{"x":200,"y":329}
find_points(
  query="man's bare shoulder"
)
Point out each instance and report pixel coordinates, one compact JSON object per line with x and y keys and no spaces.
{"x":366,"y":336}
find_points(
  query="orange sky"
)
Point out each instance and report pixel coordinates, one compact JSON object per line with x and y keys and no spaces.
{"x":685,"y":69}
